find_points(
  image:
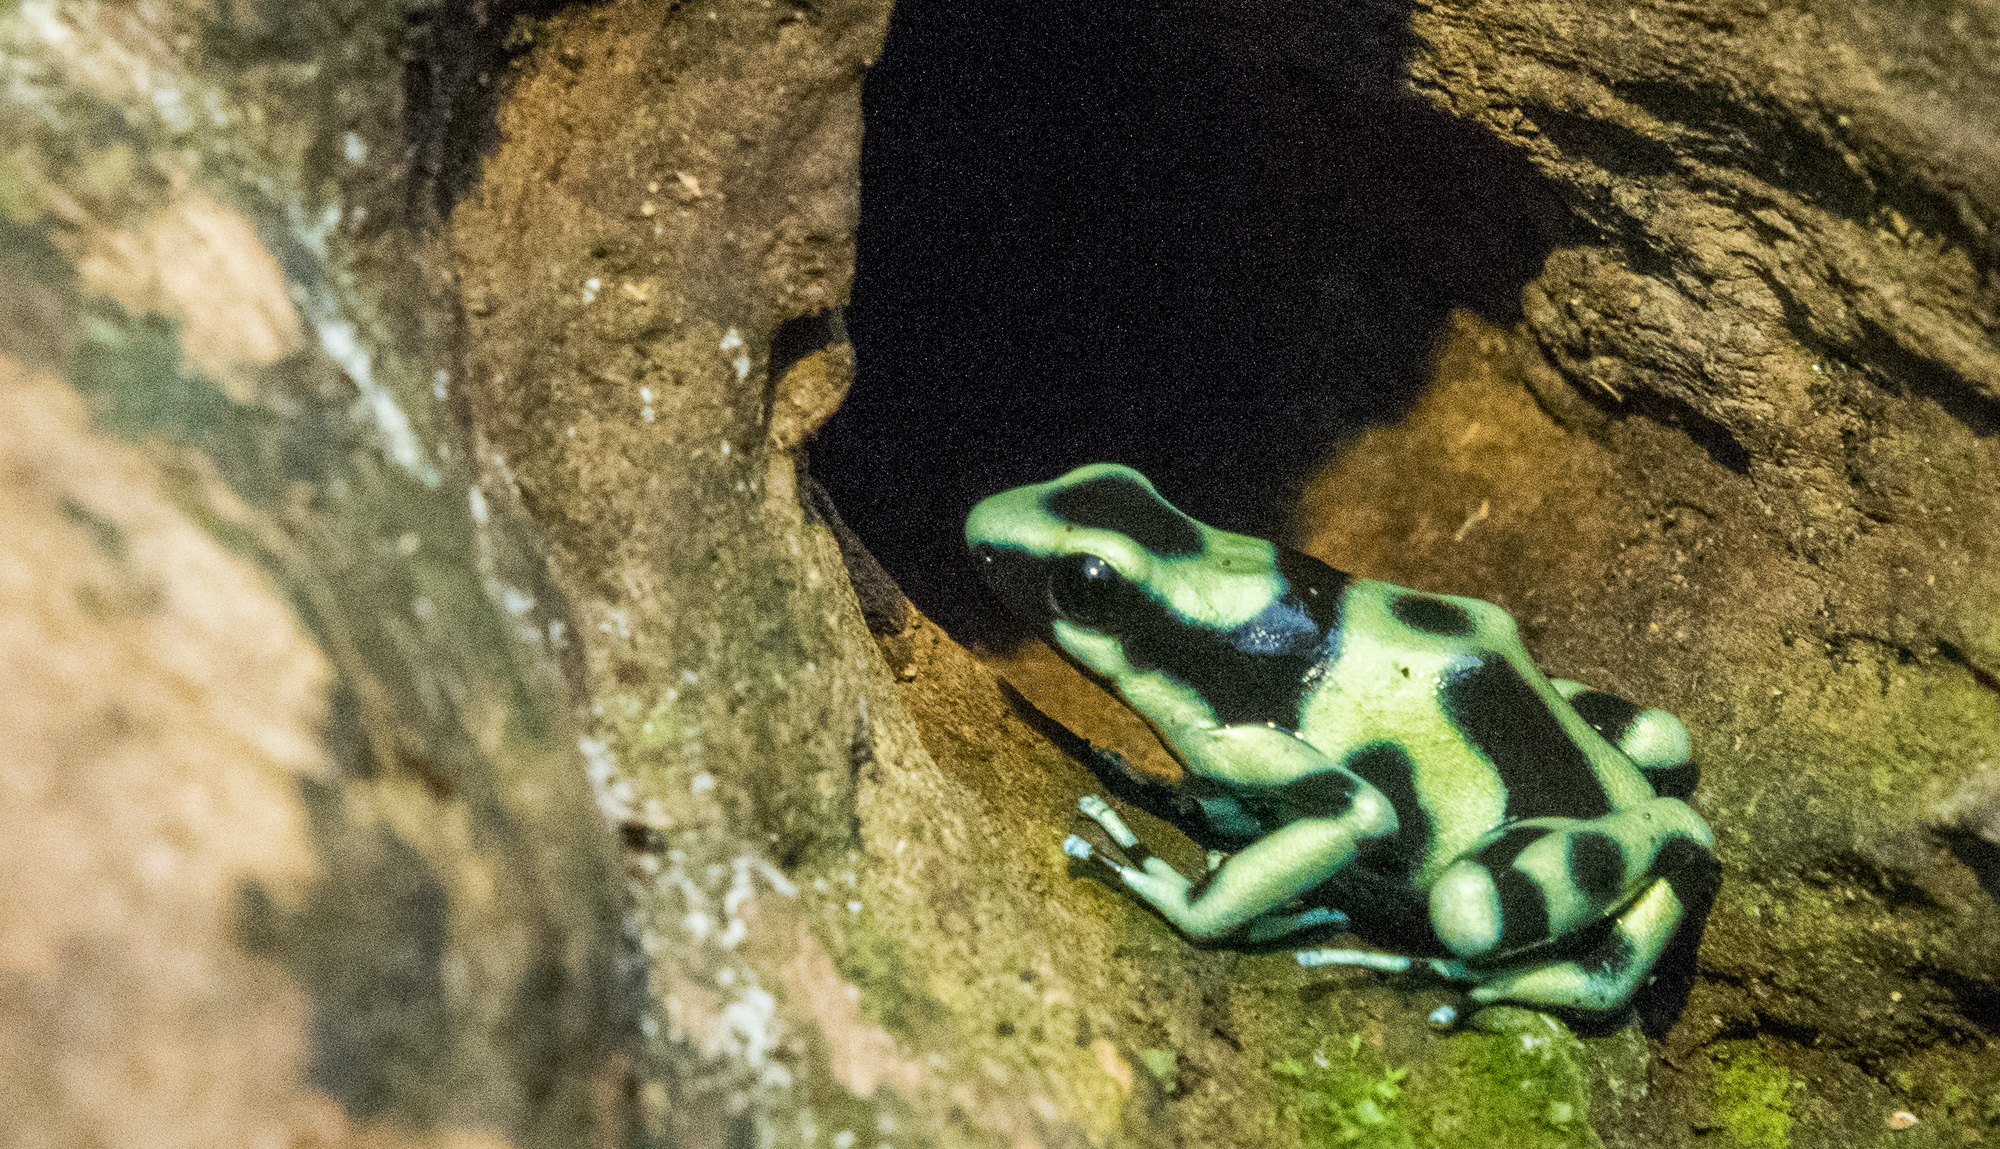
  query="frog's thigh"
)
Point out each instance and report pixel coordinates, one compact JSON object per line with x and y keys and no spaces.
{"x":1655,"y":740}
{"x":1605,"y":977}
{"x":1544,"y":878}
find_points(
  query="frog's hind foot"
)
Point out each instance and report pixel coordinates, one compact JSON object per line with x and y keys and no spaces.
{"x":1444,"y":969}
{"x":1445,"y":1016}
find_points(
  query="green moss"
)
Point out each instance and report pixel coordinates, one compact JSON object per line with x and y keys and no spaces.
{"x":1753,"y":1100}
{"x":1519,"y":1082}
{"x":1161,"y":1063}
{"x":130,"y":366}
{"x":1345,"y":1098}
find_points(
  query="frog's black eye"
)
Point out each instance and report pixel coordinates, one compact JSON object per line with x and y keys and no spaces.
{"x":1085,"y":589}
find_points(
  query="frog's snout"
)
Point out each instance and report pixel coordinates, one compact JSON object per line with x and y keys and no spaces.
{"x":1016,"y":577}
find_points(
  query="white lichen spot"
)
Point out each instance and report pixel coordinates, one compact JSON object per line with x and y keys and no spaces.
{"x":354,"y":148}
{"x":649,"y":1028}
{"x":613,"y":793}
{"x":438,"y":382}
{"x":515,"y":601}
{"x":690,"y":677}
{"x":702,"y":783}
{"x":41,"y":16}
{"x":692,"y":184}
{"x":854,"y":907}
{"x":733,"y":342}
{"x":725,"y":448}
{"x":752,"y":1020}
{"x":646,"y":414}
{"x":779,"y":882}
{"x":476,"y":498}
{"x":590,"y":289}
{"x":173,"y":108}
{"x":408,"y":542}
{"x":645,"y":394}
{"x":844,"y":1139}
{"x":342,"y":344}
{"x":424,"y":609}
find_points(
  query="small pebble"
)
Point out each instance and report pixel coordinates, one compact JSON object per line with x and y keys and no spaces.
{"x":1902,"y":1119}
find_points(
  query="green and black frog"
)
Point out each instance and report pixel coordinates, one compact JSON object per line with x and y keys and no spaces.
{"x":1362,"y":755}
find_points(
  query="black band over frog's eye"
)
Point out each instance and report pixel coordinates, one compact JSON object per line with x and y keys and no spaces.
{"x":1085,"y":590}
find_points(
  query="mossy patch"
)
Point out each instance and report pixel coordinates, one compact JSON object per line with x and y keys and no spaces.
{"x":1753,"y":1099}
{"x":1522,"y":1081}
{"x":1347,"y":1098}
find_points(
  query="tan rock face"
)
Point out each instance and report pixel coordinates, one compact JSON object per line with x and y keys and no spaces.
{"x":201,"y":264}
{"x":163,"y":706}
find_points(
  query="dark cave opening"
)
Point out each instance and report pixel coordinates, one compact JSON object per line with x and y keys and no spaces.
{"x":1207,"y":240}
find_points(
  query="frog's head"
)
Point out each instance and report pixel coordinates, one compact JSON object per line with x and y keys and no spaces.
{"x":1126,"y":583}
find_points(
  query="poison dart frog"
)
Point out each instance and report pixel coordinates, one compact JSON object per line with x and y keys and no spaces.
{"x":1359,"y":754}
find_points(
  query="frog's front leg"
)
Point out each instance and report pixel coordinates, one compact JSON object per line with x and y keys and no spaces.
{"x":1320,"y":817}
{"x":1546,"y":878}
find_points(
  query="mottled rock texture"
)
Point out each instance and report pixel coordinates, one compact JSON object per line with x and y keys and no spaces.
{"x":296,"y":842}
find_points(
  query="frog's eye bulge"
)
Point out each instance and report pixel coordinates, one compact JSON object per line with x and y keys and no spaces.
{"x":1088,"y":591}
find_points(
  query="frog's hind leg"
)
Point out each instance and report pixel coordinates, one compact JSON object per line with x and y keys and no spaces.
{"x":1605,"y":977}
{"x":1542,"y":880}
{"x":1655,"y":740}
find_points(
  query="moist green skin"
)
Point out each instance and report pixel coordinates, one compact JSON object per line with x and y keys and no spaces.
{"x":1360,"y":751}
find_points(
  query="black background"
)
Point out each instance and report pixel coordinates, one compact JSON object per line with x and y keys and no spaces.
{"x":1206,"y":240}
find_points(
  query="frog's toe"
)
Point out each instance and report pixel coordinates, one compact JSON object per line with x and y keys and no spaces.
{"x":1099,"y":811}
{"x":1365,"y":959}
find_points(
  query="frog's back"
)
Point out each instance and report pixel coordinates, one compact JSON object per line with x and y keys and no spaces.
{"x":1433,"y":700}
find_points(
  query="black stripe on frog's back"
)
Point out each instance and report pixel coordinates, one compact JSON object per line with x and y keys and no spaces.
{"x":1258,"y":671}
{"x":1610,"y":714}
{"x":1544,"y":770}
{"x":1315,"y":586}
{"x":1117,"y":503}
